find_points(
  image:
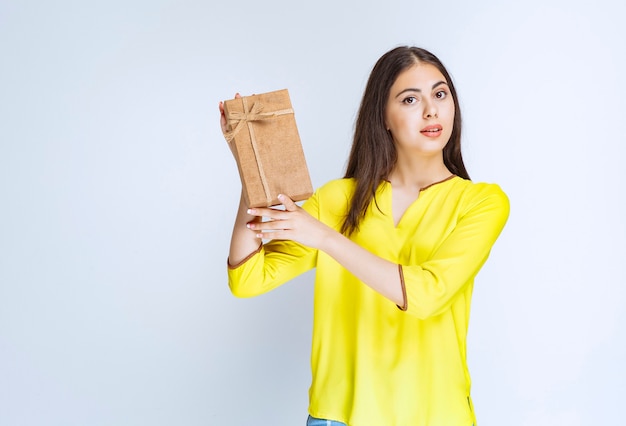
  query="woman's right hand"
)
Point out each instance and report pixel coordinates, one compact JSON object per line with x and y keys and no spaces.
{"x":223,"y":122}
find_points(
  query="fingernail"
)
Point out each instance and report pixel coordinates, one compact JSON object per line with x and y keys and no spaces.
{"x":250,"y":211}
{"x":280,"y":196}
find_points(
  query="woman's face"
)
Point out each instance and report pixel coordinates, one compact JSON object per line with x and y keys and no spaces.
{"x":420,"y":111}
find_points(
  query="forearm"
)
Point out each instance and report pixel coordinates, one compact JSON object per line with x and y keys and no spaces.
{"x":381,"y":275}
{"x":243,"y":241}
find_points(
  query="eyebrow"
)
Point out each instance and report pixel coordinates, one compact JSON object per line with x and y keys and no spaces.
{"x":412,"y":89}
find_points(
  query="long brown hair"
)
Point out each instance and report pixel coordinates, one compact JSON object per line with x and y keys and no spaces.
{"x":373,"y":152}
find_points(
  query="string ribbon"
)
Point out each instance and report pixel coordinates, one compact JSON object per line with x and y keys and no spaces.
{"x":238,"y":120}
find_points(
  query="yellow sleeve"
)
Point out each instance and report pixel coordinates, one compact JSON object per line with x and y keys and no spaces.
{"x":431,"y":286}
{"x":275,"y":263}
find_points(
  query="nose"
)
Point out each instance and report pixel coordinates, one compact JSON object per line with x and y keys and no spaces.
{"x":430,"y":110}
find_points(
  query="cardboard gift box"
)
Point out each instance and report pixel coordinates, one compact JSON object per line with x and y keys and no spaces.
{"x":264,"y":139}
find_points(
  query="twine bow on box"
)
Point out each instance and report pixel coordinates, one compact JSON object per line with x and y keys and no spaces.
{"x":237,"y":120}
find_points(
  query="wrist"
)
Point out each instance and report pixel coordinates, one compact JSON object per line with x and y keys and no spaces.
{"x":330,"y":241}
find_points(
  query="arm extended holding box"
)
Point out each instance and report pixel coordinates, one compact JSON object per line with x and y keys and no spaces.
{"x":243,"y":242}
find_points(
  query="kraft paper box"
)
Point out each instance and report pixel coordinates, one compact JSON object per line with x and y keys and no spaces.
{"x":265,"y":142}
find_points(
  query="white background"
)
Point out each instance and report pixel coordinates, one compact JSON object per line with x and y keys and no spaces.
{"x":118,"y":193}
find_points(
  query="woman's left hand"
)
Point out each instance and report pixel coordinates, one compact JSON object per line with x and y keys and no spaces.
{"x":293,"y":223}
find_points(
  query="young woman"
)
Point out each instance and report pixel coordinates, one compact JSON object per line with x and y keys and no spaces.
{"x":396,"y":245}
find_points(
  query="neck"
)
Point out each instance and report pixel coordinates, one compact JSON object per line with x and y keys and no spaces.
{"x":418,"y":172}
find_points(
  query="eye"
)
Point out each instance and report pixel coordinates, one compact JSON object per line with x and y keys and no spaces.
{"x":409,"y":100}
{"x":441,"y":94}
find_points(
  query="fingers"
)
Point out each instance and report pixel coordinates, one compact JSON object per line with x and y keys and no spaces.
{"x":222,"y":115}
{"x":287,"y":202}
{"x":273,"y":214}
{"x":221,"y":104}
{"x":271,"y":229}
{"x":223,"y":122}
{"x":278,"y":219}
{"x":290,"y":223}
{"x":272,"y":225}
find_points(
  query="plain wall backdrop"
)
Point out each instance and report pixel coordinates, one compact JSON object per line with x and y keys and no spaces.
{"x":118,"y":194}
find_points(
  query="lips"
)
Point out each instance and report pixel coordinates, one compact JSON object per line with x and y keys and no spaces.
{"x":432,"y":131}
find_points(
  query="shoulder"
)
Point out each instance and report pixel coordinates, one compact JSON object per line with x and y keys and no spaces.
{"x":480,"y":189}
{"x":338,"y":185}
{"x":336,"y":191}
{"x":330,"y":201}
{"x":483,"y":195}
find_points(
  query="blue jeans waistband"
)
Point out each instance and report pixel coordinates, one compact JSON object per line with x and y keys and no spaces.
{"x":312,"y":421}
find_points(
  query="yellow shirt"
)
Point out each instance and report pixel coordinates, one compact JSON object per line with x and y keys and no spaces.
{"x":373,"y":363}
